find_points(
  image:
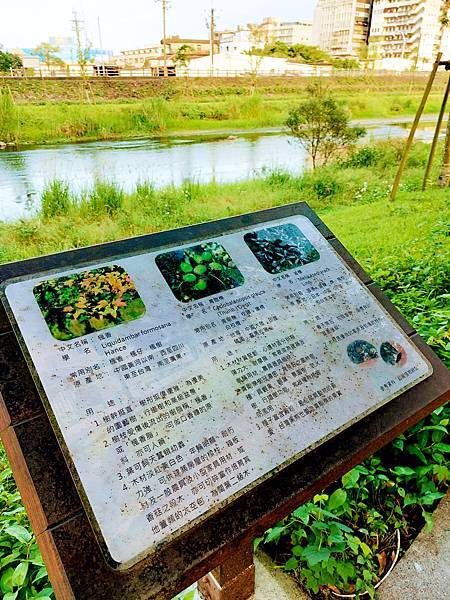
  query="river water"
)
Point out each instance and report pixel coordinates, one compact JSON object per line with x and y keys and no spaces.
{"x":163,"y":161}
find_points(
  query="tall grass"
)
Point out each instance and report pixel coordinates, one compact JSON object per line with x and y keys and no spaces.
{"x":56,"y":199}
{"x":105,"y":198}
{"x":9,"y":118}
{"x":63,"y":122}
{"x":153,"y":115}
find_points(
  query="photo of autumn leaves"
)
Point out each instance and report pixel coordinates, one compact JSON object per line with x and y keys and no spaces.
{"x":87,"y":302}
{"x":96,"y":299}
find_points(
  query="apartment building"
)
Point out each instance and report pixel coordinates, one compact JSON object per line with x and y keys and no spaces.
{"x":407,"y":33}
{"x":236,"y":42}
{"x":341,"y":27}
{"x":289,"y":32}
{"x":269,"y":31}
{"x":199,"y":47}
{"x":295,"y":32}
{"x":139,"y":58}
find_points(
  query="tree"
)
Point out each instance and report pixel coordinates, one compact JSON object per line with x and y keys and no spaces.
{"x":259,"y":37}
{"x":182,"y":56}
{"x":346,"y":63}
{"x":48,"y":54}
{"x":9,"y":61}
{"x":321,"y":126}
{"x":297,"y":52}
{"x":83,"y":51}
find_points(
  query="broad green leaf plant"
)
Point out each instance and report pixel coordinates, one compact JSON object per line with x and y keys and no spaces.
{"x":22,"y":573}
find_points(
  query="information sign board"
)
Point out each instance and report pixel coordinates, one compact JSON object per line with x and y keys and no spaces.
{"x":181,"y":378}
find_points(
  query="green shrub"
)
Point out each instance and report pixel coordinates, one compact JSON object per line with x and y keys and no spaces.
{"x":364,"y":157}
{"x":325,"y":185}
{"x":22,"y":573}
{"x":340,"y":540}
{"x":56,"y":199}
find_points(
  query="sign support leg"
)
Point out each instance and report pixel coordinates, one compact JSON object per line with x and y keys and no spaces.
{"x":232,"y":580}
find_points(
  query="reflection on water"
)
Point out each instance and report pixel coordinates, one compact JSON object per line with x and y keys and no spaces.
{"x":23,"y":174}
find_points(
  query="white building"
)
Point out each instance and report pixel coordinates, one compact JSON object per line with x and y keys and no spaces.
{"x":257,"y":35}
{"x":239,"y":41}
{"x":138,"y":59}
{"x":407,"y":34}
{"x":341,"y":27}
{"x":295,"y":32}
{"x":235,"y":65}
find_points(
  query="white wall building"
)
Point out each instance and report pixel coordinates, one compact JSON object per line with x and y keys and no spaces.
{"x":407,"y":34}
{"x":341,"y":27}
{"x":234,"y":65}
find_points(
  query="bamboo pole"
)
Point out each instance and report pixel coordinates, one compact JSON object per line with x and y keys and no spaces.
{"x":415,"y":124}
{"x":436,"y":136}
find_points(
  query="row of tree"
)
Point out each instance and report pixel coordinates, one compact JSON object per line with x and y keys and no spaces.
{"x":305,"y":54}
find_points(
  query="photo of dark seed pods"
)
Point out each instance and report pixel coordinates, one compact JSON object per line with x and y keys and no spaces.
{"x":281,"y":248}
{"x":390,"y":354}
{"x":361,"y":352}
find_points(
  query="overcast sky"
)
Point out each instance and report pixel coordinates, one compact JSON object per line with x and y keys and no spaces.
{"x":134,"y":23}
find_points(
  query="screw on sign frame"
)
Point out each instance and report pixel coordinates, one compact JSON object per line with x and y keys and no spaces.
{"x":73,"y":556}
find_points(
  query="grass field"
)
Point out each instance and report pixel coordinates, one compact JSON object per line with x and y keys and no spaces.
{"x":57,"y":111}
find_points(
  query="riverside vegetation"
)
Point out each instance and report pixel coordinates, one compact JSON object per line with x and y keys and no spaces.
{"x":342,"y":539}
{"x":52,"y":111}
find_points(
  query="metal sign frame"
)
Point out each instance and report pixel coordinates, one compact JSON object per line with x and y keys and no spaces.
{"x":74,"y":559}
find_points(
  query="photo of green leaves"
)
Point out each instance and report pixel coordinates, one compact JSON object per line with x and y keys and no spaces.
{"x":90,"y":301}
{"x":200,"y":271}
{"x":281,"y":248}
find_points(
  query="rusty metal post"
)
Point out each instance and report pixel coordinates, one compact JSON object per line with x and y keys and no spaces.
{"x":436,"y":136}
{"x":415,"y":124}
{"x":232,"y":580}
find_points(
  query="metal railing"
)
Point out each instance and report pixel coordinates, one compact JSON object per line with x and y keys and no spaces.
{"x":203,"y":73}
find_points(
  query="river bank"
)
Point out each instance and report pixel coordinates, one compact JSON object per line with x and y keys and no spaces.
{"x":361,"y":184}
{"x":54,"y":111}
{"x":165,"y":160}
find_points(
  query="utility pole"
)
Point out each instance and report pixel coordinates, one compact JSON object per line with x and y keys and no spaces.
{"x":164,"y":6}
{"x":77,"y":28}
{"x":99,"y":27}
{"x":82,"y":51}
{"x":100,"y":41}
{"x":212,"y":35}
